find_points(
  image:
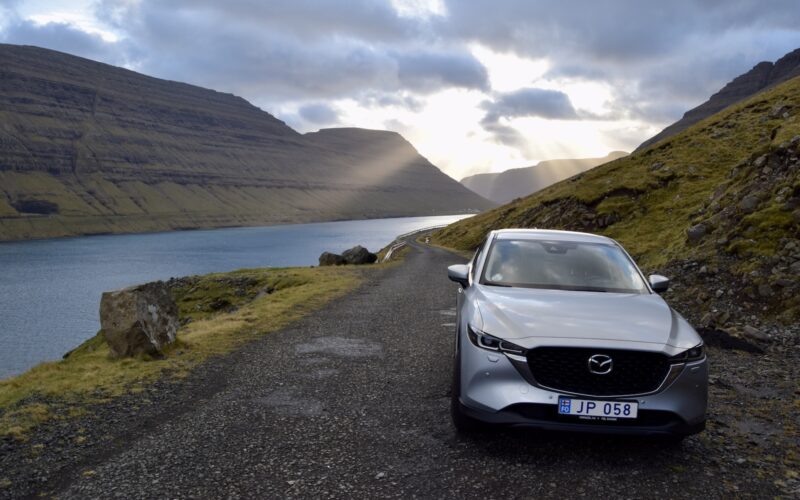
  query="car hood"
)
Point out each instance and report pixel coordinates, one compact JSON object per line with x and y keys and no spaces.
{"x":532,"y":317}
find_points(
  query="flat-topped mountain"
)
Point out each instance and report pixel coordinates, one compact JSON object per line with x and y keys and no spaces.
{"x":763,"y":76}
{"x":517,"y":182}
{"x":89,"y":148}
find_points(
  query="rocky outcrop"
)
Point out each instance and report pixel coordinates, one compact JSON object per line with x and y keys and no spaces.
{"x":357,"y":255}
{"x":763,"y":76}
{"x":517,"y":182}
{"x":90,"y":148}
{"x":330,"y":259}
{"x":142,"y":319}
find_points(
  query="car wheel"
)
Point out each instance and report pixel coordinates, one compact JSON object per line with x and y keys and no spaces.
{"x":464,"y":424}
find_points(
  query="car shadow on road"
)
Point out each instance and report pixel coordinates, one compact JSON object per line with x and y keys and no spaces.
{"x":514,"y":443}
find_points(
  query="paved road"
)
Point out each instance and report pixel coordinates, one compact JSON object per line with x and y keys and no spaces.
{"x":353,"y":402}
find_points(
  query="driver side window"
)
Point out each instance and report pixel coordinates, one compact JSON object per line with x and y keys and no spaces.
{"x":473,"y":265}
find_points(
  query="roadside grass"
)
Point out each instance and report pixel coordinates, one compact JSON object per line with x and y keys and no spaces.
{"x":223,"y":311}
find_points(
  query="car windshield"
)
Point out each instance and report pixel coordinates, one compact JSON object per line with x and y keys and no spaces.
{"x":561,"y":265}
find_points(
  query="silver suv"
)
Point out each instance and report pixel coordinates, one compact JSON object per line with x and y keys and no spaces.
{"x":561,"y":331}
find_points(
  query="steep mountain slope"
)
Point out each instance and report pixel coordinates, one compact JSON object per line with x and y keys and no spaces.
{"x":763,"y":75}
{"x":504,"y":186}
{"x":716,"y":206}
{"x":91,"y":148}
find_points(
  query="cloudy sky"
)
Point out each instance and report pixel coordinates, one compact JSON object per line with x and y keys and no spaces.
{"x":475,"y":85}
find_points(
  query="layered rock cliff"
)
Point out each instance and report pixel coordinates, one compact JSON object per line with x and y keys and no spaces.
{"x":90,"y":148}
{"x":763,"y":76}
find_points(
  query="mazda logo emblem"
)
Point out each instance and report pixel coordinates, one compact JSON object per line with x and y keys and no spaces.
{"x":600,"y":364}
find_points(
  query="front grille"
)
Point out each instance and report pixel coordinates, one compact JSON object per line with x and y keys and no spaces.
{"x":566,"y":369}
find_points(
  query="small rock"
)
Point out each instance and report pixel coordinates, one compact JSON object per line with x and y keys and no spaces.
{"x":359,"y":255}
{"x":764,"y":290}
{"x":785,"y":283}
{"x":760,"y":161}
{"x":779,"y":111}
{"x":330,"y":259}
{"x":696,"y":232}
{"x":380,"y":475}
{"x":141,"y":319}
{"x":703,"y":270}
{"x":720,"y":293}
{"x":749,"y":203}
{"x":754,"y":333}
{"x":722,"y":318}
{"x":766,"y":170}
{"x":656,"y":166}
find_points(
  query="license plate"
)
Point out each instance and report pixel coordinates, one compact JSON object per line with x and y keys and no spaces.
{"x":595,"y":408}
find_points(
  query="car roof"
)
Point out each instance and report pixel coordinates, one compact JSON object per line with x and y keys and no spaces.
{"x":550,"y":235}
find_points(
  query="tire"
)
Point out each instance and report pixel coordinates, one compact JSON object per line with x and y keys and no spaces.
{"x":464,"y":424}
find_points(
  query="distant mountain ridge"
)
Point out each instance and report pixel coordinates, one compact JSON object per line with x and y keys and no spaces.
{"x":764,"y":75}
{"x":90,"y":148}
{"x":504,"y":186}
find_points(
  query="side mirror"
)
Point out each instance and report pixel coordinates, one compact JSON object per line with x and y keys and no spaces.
{"x":658,"y":283}
{"x":460,"y":274}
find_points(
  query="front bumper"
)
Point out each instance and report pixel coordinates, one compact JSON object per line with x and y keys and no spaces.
{"x":494,"y":390}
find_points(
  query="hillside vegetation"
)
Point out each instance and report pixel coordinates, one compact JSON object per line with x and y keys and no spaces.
{"x":717,"y":206}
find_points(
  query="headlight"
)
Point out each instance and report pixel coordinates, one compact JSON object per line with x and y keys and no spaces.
{"x":696,"y":353}
{"x":486,"y":341}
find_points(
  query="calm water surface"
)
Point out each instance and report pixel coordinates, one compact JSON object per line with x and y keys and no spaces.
{"x":50,"y":289}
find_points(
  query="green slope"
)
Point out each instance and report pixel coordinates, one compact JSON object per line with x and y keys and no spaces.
{"x":735,"y":175}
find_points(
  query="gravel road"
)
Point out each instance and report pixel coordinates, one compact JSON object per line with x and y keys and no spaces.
{"x":353,"y":402}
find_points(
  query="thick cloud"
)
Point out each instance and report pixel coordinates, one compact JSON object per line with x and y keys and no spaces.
{"x":543,"y":103}
{"x":293,"y":49}
{"x":318,"y":114}
{"x":432,"y":71}
{"x":530,"y":102}
{"x":64,"y":38}
{"x":679,"y":51}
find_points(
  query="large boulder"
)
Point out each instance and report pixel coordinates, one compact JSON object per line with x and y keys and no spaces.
{"x":330,"y":259}
{"x":359,"y":255}
{"x":141,"y":319}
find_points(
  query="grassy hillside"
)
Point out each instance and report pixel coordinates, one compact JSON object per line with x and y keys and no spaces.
{"x":732,"y":179}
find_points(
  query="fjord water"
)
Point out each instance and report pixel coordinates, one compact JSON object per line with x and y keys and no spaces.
{"x":50,"y":289}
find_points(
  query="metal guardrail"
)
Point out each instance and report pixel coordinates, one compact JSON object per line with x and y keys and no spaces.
{"x":392,"y":249}
{"x":400,"y":244}
{"x":421,"y":230}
